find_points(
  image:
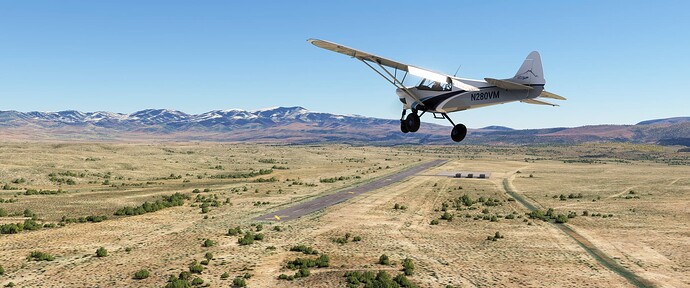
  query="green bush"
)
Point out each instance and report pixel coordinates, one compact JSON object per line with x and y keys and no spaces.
{"x":248,"y":239}
{"x":196,"y":268}
{"x":408,"y":266}
{"x":322,"y":261}
{"x":40,"y":256}
{"x":174,"y":282}
{"x":434,"y":222}
{"x":176,"y":199}
{"x":2,"y":270}
{"x":3,"y":213}
{"x":302,"y":272}
{"x":208,"y":256}
{"x":447,"y":216}
{"x":197,"y":281}
{"x":340,"y":240}
{"x":300,"y":262}
{"x":304,"y":249}
{"x":381,"y":279}
{"x":208,"y":243}
{"x":12,"y":228}
{"x":560,"y":219}
{"x":184,"y":275}
{"x":142,"y":274}
{"x":101,"y":252}
{"x":384,"y":260}
{"x":356,"y":239}
{"x":234,"y":231}
{"x":239,"y":282}
{"x":403,"y":281}
{"x":225,"y":275}
{"x":30,"y":224}
{"x":29,"y":214}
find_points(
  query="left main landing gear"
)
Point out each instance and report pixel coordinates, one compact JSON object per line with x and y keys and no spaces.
{"x":410,"y":123}
{"x":459,"y":131}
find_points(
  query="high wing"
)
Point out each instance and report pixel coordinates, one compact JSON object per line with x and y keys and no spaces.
{"x":361,"y":55}
{"x":413,"y":70}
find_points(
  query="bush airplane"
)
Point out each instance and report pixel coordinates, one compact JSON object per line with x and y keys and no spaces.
{"x":440,"y":94}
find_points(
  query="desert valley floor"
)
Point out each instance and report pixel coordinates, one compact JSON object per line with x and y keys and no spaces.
{"x":632,"y":202}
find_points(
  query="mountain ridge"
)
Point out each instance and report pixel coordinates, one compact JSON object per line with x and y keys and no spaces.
{"x":299,"y":125}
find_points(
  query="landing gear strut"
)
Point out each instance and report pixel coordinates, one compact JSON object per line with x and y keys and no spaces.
{"x":403,"y":124}
{"x":411,"y":124}
{"x":459,"y":131}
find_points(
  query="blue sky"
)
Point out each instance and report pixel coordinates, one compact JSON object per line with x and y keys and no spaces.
{"x":617,"y":62}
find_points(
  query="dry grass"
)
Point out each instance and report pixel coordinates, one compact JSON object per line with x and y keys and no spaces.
{"x":649,"y":241}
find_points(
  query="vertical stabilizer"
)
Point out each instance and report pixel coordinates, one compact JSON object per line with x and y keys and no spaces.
{"x":531,"y":71}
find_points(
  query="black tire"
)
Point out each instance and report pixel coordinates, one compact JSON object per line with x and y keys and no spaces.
{"x":412,"y":122}
{"x":458,"y":133}
{"x":403,"y":127}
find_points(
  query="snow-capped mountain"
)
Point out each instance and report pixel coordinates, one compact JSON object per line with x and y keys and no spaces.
{"x":299,"y":125}
{"x":166,"y":118}
{"x":268,"y":116}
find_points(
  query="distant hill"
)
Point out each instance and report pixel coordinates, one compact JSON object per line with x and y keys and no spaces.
{"x":299,"y":125}
{"x":497,"y":128}
{"x":674,"y":120}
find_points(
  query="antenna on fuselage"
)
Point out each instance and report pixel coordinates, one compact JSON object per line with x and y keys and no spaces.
{"x":456,"y":71}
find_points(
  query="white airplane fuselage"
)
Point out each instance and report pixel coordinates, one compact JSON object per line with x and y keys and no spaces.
{"x":440,"y":93}
{"x":456,"y":99}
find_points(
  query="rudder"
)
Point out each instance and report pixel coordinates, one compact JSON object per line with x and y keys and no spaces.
{"x":531,"y":71}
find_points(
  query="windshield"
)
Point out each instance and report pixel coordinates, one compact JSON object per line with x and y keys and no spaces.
{"x":433,"y":85}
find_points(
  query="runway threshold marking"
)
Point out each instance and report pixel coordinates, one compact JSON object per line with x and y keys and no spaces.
{"x":345,"y":194}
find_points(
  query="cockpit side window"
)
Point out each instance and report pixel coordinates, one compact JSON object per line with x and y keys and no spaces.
{"x":433,"y":86}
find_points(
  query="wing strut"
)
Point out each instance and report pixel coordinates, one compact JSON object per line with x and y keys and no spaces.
{"x":401,"y":86}
{"x":378,"y":72}
{"x":395,"y":81}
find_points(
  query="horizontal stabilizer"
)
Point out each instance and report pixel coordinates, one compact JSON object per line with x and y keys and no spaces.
{"x":537,"y":102}
{"x":508,"y":85}
{"x":547,"y":94}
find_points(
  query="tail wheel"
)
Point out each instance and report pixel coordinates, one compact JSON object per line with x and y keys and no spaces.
{"x":403,"y":126}
{"x":458,"y":133}
{"x":412,"y":122}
